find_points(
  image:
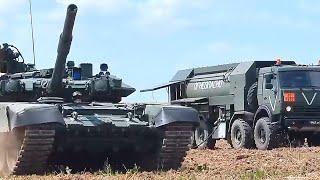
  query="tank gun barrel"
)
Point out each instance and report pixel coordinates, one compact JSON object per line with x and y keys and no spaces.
{"x":64,"y":45}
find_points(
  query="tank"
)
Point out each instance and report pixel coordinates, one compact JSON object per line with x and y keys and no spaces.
{"x":68,"y":117}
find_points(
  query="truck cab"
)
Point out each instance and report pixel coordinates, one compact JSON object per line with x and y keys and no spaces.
{"x":288,"y":94}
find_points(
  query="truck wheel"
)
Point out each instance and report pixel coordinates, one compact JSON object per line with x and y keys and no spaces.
{"x":313,"y":140}
{"x":264,"y":134}
{"x":241,"y":134}
{"x":252,"y":96}
{"x":201,"y":136}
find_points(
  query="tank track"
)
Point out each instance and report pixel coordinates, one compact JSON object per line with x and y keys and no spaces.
{"x":36,"y":147}
{"x":176,"y":143}
{"x":38,"y":142}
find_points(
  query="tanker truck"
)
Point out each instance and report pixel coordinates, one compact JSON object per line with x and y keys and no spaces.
{"x":262,"y":104}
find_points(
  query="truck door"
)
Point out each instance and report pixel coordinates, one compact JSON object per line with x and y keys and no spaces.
{"x":270,"y":92}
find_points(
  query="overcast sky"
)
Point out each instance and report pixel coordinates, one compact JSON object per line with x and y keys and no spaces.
{"x":146,"y":41}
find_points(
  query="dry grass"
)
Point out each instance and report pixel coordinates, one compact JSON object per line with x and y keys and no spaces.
{"x":223,"y":163}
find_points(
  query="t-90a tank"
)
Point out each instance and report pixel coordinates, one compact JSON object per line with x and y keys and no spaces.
{"x":68,"y":117}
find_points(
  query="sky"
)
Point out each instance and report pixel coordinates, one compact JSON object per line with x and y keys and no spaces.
{"x":145,"y":42}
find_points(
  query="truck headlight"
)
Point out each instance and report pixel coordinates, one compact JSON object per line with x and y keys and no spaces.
{"x":288,"y":108}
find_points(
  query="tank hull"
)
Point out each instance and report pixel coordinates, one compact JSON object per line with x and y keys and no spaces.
{"x":96,"y":136}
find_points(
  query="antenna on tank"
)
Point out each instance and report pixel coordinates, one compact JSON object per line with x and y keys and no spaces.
{"x":32,"y":35}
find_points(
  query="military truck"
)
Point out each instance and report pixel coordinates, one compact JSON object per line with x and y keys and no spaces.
{"x":259,"y":103}
{"x":67,"y":117}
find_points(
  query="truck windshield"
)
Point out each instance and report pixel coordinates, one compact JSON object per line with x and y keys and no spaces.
{"x":299,"y":79}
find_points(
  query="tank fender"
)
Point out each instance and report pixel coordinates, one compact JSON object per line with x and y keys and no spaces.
{"x":262,"y":111}
{"x":15,"y":115}
{"x":172,"y":114}
{"x":245,"y":115}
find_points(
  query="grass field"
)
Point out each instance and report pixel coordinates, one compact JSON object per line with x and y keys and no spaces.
{"x":221,"y":163}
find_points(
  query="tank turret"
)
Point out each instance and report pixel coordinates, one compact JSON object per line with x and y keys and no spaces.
{"x":102,"y":87}
{"x":56,"y":85}
{"x":22,"y":82}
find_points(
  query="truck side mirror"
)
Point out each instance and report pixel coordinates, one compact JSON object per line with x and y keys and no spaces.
{"x":269,"y":85}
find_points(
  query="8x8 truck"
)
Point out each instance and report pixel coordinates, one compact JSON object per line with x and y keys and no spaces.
{"x":261,"y":104}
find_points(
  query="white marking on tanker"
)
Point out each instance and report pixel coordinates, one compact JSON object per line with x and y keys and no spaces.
{"x":273,"y":107}
{"x":208,"y":85}
{"x":305,"y":98}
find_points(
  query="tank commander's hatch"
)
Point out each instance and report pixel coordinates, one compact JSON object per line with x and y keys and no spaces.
{"x":2,"y":60}
{"x":9,"y":59}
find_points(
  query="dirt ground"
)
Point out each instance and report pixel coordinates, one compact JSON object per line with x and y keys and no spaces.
{"x":223,"y":163}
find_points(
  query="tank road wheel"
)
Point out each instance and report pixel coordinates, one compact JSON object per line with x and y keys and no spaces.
{"x":265,"y":134}
{"x":201,"y":137}
{"x":27,"y":150}
{"x":241,"y":134}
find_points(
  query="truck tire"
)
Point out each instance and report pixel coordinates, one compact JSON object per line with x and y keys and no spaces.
{"x":313,"y":140}
{"x":265,"y":134}
{"x":201,"y":137}
{"x":252,"y":99}
{"x":241,"y":134}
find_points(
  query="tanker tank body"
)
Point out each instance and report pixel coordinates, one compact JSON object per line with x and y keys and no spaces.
{"x":71,"y":118}
{"x":212,"y":83}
